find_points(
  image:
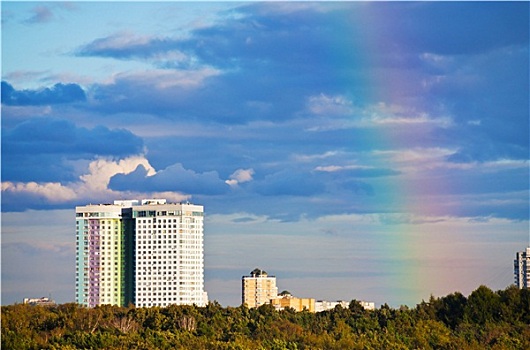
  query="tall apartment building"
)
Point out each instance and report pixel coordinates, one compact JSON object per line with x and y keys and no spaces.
{"x":101,"y":258}
{"x":150,"y":253}
{"x":169,"y":254}
{"x":258,"y":288}
{"x":522,"y":269}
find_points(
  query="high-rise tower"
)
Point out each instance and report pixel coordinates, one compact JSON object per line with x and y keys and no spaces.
{"x":169,"y":254}
{"x":522,"y":269}
{"x":102,"y":260}
{"x":149,"y":253}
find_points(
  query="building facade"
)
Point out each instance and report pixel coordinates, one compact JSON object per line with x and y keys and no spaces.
{"x":44,"y":301}
{"x":286,"y":300}
{"x":522,"y":269}
{"x":148,"y":253}
{"x":100,"y":254}
{"x":324,"y":305}
{"x":169,"y":254}
{"x":258,"y":288}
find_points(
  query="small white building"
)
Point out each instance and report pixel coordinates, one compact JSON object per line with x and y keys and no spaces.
{"x":44,"y":301}
{"x":323,"y":305}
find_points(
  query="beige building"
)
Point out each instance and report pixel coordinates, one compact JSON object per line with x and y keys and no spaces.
{"x":258,"y":288}
{"x":285,"y":299}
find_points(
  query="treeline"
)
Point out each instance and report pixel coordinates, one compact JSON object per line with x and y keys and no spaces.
{"x":484,"y":320}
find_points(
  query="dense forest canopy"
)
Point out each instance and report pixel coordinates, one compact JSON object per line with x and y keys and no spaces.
{"x":483,"y":320}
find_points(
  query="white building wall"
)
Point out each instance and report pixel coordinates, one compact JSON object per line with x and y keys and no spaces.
{"x":323,"y":305}
{"x":169,"y":260}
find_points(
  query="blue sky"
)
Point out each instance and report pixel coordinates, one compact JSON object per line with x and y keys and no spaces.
{"x":374,"y":151}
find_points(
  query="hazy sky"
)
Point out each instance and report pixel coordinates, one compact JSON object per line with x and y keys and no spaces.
{"x":373,"y":151}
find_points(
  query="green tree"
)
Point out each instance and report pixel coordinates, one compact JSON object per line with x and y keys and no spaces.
{"x":450,"y":309}
{"x":483,"y":306}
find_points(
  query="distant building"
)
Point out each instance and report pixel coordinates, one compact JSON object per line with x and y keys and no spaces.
{"x":148,"y":253}
{"x":285,"y":300}
{"x":323,"y":305}
{"x":367,"y":305}
{"x":44,"y":301}
{"x":522,"y":269}
{"x":258,"y":288}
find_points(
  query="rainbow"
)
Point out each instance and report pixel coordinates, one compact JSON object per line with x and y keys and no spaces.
{"x":403,"y":240}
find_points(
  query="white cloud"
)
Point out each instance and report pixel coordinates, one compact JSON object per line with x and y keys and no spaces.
{"x":419,"y":119}
{"x":438,"y":61}
{"x":334,"y":168}
{"x":380,"y":115}
{"x":506,"y":164}
{"x":120,"y":40}
{"x":174,"y":197}
{"x":52,"y":191}
{"x":405,"y":160}
{"x":393,"y":114}
{"x":305,"y":158}
{"x":415,"y":159}
{"x":164,"y":78}
{"x":94,"y":184}
{"x":430,"y":158}
{"x":240,"y":176}
{"x":329,"y":105}
{"x":102,"y":170}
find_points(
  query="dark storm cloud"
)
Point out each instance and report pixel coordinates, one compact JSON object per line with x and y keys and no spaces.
{"x":279,"y":59}
{"x":262,"y":34}
{"x":290,"y":183}
{"x":495,"y":127}
{"x":174,"y":178}
{"x":38,"y":167}
{"x":45,"y":136}
{"x":35,"y":150}
{"x":455,"y":28}
{"x":58,"y":94}
{"x":273,"y":62}
{"x":241,"y":91}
